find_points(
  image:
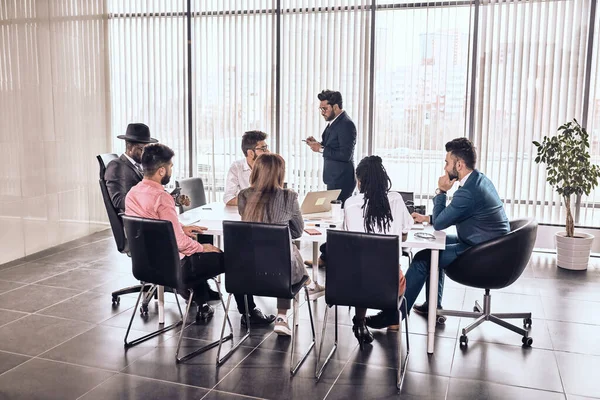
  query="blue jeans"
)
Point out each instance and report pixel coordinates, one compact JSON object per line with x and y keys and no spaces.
{"x":418,"y":271}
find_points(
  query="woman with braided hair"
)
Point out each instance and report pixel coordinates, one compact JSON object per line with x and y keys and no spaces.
{"x":375,"y":210}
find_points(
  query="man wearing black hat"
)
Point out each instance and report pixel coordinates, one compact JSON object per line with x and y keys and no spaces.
{"x":126,"y":171}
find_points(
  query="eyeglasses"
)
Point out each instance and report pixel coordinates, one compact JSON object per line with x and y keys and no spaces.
{"x":323,"y":109}
{"x":264,"y":148}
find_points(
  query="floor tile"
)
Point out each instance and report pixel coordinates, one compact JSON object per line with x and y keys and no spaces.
{"x":47,"y":380}
{"x":33,"y":298}
{"x":90,"y":307}
{"x":579,"y":373}
{"x":359,"y":381}
{"x":567,"y":310}
{"x":31,"y":272}
{"x":147,"y":323}
{"x":80,"y":278}
{"x":508,"y":365}
{"x":200,"y":371}
{"x":102,"y":347}
{"x":9,"y":361}
{"x":35,"y":334}
{"x":5,"y":286}
{"x":266,"y":374}
{"x":471,"y":389}
{"x":118,"y":262}
{"x":383,"y":352}
{"x":134,"y":387}
{"x":9,"y":316}
{"x":218,"y":395}
{"x":575,"y":338}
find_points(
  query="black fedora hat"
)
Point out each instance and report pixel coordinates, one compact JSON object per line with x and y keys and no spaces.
{"x":138,"y":133}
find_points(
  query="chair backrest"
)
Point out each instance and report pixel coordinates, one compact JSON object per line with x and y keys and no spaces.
{"x":409,"y":200}
{"x":257,"y":259}
{"x":113,"y":214}
{"x":362,"y":269}
{"x":194,"y":189}
{"x":499,"y":262}
{"x":154,"y":253}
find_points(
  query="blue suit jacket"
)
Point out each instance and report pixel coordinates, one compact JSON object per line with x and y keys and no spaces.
{"x":475,"y":209}
{"x":338,"y":141}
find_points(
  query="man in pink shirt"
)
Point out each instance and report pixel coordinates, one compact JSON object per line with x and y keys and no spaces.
{"x":148,"y":199}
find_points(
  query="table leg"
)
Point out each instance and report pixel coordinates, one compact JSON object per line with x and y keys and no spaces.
{"x":161,"y":305}
{"x":315,"y":267}
{"x":432,"y":301}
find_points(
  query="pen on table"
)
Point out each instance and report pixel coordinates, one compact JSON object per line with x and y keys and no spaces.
{"x":323,"y":225}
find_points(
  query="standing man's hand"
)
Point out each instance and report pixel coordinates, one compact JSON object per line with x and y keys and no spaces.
{"x":313,"y":144}
{"x":445,"y":183}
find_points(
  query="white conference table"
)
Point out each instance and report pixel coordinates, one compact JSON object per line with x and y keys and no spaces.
{"x":212,"y":216}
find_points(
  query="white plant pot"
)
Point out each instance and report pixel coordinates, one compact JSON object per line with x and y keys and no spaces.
{"x":573,"y":252}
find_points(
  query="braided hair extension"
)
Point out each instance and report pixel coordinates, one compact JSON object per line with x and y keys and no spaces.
{"x":375,"y":185}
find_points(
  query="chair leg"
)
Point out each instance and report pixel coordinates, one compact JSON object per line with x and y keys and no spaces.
{"x":402,"y":363}
{"x":200,"y":350}
{"x":474,"y":324}
{"x":495,"y":319}
{"x":150,"y":335}
{"x":319,"y":371}
{"x":294,"y":367}
{"x":220,"y":360}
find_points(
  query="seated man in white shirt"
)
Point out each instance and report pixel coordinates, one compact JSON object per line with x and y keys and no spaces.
{"x":238,"y":177}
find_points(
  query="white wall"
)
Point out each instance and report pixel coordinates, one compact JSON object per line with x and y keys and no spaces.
{"x":54,"y":120}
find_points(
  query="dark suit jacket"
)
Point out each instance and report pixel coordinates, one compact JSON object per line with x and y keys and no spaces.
{"x":475,"y":209}
{"x":120,"y":177}
{"x":338,"y":141}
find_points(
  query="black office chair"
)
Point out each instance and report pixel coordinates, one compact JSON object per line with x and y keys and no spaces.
{"x":194,"y":189}
{"x":363,"y":271}
{"x":495,"y":264}
{"x":258,"y":262}
{"x":116,"y":225}
{"x":155,"y":259}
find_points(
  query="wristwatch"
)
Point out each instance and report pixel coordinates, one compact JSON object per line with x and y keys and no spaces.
{"x":439,"y":191}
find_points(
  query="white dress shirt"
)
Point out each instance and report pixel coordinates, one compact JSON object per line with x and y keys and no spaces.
{"x":238,"y":178}
{"x":355,"y":221}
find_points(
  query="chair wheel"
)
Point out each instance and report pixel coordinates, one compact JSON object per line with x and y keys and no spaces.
{"x":464,"y":340}
{"x":527,"y":323}
{"x":144,"y":310}
{"x":116,"y":300}
{"x":475,"y":309}
{"x":527,"y":341}
{"x":441,"y":319}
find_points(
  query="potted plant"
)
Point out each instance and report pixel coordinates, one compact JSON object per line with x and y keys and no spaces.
{"x":570,"y":172}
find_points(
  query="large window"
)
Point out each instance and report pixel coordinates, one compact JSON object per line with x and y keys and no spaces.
{"x":413,"y":76}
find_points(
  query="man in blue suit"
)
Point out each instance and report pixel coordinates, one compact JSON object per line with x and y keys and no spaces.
{"x":337,"y":144}
{"x":476,"y":210}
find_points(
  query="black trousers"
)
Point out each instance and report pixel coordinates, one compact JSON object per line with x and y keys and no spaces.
{"x":202,"y":266}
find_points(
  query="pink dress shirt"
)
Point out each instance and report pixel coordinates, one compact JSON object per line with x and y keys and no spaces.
{"x":148,"y":199}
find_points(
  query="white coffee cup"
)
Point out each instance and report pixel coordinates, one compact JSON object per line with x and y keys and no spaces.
{"x":336,"y":210}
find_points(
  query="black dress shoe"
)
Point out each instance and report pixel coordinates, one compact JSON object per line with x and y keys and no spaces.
{"x":258,"y":318}
{"x":204,"y":313}
{"x":361,"y":332}
{"x":423,"y":309}
{"x":383,"y":319}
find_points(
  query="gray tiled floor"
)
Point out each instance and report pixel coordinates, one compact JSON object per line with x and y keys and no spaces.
{"x":60,"y":337}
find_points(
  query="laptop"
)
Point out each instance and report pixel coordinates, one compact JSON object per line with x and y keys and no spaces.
{"x":316,"y":202}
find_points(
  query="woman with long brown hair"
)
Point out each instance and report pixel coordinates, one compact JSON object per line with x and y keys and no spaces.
{"x":267,"y":201}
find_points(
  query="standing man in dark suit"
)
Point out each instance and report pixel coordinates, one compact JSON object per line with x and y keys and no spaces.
{"x":337,"y":144}
{"x":125,"y":172}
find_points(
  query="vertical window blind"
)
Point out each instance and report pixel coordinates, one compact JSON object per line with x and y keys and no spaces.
{"x":413,"y":75}
{"x":530,"y":80}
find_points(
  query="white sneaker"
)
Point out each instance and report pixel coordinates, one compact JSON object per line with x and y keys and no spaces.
{"x":282,"y":328}
{"x":316,"y":291}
